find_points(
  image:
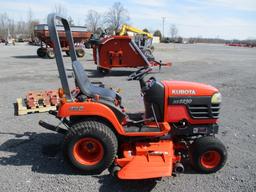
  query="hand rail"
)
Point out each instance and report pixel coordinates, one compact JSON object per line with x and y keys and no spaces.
{"x":51,"y":20}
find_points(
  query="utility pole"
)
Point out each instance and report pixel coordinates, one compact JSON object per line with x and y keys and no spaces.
{"x":163,"y":19}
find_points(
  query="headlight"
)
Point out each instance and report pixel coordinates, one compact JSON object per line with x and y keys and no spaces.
{"x":216,"y":98}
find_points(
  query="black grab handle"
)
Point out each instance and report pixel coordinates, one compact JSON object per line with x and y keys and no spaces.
{"x":51,"y":20}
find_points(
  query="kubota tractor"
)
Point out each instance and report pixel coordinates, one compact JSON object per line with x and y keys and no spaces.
{"x":179,"y":123}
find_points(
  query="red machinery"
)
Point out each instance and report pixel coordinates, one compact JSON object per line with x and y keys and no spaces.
{"x":120,"y":51}
{"x":179,"y":124}
{"x":80,"y":35}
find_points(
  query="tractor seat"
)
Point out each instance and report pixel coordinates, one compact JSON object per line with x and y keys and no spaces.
{"x":88,"y":89}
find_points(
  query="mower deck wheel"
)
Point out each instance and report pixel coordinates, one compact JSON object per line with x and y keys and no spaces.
{"x":113,"y":170}
{"x":90,"y":146}
{"x":208,"y":154}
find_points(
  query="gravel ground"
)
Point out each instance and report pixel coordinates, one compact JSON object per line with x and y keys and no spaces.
{"x":30,"y":156}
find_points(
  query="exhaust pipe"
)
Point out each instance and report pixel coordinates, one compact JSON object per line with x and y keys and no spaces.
{"x":52,"y":128}
{"x":179,"y":168}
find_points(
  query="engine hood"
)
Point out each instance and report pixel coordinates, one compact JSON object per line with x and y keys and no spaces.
{"x":186,"y":88}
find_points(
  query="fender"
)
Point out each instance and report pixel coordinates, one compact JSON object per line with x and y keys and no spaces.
{"x":90,"y":109}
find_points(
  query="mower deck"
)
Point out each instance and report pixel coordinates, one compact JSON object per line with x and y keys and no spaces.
{"x":146,"y":160}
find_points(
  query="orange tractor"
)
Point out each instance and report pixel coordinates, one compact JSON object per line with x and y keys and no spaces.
{"x":179,"y":123}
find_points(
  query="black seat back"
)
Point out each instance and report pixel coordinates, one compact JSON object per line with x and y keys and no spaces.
{"x":82,"y":80}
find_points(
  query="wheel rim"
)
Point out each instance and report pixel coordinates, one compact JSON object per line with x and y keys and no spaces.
{"x":88,"y":151}
{"x":80,"y":53}
{"x":210,"y":159}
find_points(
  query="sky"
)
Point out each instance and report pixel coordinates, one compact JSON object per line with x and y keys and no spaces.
{"x":229,"y":19}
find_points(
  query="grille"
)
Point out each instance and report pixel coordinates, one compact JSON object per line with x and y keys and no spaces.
{"x":204,"y":111}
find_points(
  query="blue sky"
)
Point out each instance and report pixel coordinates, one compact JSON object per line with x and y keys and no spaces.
{"x":206,"y":18}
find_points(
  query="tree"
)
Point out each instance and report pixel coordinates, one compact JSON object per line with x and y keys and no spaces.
{"x":158,"y":33}
{"x":146,"y":30}
{"x":173,"y":31}
{"x":30,"y":24}
{"x":116,"y":16}
{"x":60,"y":10}
{"x":71,"y":21}
{"x":93,"y":20}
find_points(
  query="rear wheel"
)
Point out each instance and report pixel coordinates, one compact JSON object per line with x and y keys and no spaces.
{"x":50,"y":54}
{"x":91,"y":146}
{"x":80,"y":52}
{"x":208,"y":154}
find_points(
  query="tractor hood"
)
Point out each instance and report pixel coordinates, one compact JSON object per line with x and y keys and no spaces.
{"x":186,"y":88}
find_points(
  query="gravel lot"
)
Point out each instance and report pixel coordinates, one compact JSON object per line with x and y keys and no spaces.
{"x":30,"y":156}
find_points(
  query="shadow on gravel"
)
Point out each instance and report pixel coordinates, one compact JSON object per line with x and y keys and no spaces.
{"x":32,"y":57}
{"x":109,"y":183}
{"x":44,"y":154}
{"x":26,"y":57}
{"x":41,"y":151}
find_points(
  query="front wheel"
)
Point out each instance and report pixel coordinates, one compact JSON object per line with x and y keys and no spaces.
{"x":208,"y":154}
{"x":90,"y":146}
{"x":41,"y":52}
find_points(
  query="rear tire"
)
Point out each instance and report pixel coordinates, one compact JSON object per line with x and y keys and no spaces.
{"x":208,"y":154}
{"x":80,"y":52}
{"x":91,"y":146}
{"x":50,"y":54}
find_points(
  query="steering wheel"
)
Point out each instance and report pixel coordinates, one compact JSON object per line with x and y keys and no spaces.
{"x":139,"y":74}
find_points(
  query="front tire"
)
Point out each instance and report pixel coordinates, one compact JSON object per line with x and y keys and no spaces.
{"x":41,"y":52}
{"x":91,"y":146}
{"x":208,"y":154}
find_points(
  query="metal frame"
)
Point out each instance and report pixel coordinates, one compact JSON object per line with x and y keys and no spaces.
{"x":51,"y":20}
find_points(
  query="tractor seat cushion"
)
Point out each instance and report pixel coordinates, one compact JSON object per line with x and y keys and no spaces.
{"x":88,"y":89}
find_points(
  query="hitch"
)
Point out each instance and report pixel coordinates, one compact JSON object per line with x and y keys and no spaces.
{"x":52,"y":128}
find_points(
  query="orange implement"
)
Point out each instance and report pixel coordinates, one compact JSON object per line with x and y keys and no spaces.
{"x":146,"y":160}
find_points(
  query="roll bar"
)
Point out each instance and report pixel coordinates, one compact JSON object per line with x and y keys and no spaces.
{"x":51,"y":21}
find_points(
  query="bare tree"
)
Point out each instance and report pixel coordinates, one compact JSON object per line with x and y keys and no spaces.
{"x":93,"y":20}
{"x":4,"y":22}
{"x":7,"y":26}
{"x":173,"y":31}
{"x":71,"y":21}
{"x":60,"y":10}
{"x":116,"y":16}
{"x":30,"y":25}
